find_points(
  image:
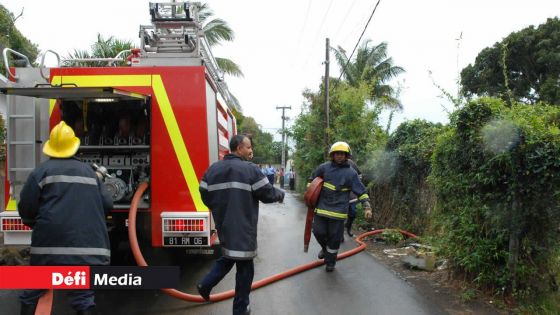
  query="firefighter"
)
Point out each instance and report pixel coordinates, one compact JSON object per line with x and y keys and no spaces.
{"x":65,"y":202}
{"x":332,"y":207}
{"x":232,"y":189}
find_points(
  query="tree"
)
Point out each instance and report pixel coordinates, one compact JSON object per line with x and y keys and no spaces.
{"x":102,"y":48}
{"x":216,"y":31}
{"x":10,"y":37}
{"x":265,"y":150}
{"x":372,"y":66}
{"x":353,"y":121}
{"x":532,"y":67}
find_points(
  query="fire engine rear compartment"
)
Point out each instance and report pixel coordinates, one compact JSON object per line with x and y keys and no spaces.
{"x":115,"y":134}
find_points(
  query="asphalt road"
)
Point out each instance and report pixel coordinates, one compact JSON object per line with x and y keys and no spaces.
{"x":359,"y":285}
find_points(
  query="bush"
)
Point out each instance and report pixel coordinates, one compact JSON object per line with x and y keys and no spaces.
{"x":400,"y":194}
{"x":496,"y":175}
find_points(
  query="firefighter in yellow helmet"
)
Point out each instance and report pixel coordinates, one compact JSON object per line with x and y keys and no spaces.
{"x":64,"y":201}
{"x":332,"y":207}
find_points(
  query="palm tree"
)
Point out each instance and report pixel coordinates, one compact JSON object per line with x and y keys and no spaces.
{"x":102,"y":48}
{"x":216,"y":31}
{"x":371,"y":65}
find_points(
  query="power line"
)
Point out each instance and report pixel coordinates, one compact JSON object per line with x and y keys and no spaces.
{"x":304,"y":23}
{"x":359,"y":39}
{"x":319,"y":31}
{"x":345,"y":17}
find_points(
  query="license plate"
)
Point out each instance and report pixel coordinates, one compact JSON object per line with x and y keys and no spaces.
{"x":185,"y":240}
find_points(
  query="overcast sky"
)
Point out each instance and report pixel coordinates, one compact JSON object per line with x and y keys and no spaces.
{"x":280,"y":45}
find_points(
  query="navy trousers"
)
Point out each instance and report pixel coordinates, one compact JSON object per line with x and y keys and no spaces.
{"x":243,"y":280}
{"x":80,"y":300}
{"x":328,"y":233}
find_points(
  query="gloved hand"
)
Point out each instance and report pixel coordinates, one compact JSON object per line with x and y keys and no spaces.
{"x":368,"y":213}
{"x":100,"y":176}
{"x":282,"y":194}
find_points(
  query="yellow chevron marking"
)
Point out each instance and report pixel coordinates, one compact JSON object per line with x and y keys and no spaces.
{"x":171,"y":124}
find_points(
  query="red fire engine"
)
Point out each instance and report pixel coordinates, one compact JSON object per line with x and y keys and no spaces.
{"x":163,"y":118}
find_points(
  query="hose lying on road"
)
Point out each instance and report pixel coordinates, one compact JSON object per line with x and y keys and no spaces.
{"x":229,"y":294}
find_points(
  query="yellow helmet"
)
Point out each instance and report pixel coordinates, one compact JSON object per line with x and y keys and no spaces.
{"x":339,"y":146}
{"x":62,"y":143}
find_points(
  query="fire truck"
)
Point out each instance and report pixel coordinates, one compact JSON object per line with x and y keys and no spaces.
{"x":163,"y":116}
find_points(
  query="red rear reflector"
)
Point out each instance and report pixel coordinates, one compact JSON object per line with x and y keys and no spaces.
{"x":183,"y":225}
{"x":14,"y":224}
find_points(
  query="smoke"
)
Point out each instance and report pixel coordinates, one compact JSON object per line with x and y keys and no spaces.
{"x":383,"y":166}
{"x":500,"y":136}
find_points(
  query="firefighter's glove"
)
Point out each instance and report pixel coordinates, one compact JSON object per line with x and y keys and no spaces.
{"x":100,"y":176}
{"x":368,"y":213}
{"x":281,"y":199}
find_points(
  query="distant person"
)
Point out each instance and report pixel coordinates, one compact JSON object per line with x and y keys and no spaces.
{"x":65,"y":203}
{"x":281,"y":177}
{"x":232,"y":189}
{"x":292,"y":179}
{"x":270,"y":173}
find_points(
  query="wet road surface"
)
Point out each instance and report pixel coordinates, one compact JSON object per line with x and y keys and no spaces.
{"x":359,"y":285}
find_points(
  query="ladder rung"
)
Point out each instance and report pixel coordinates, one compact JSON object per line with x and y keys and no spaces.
{"x":21,"y":169}
{"x":21,"y":142}
{"x":21,"y":116}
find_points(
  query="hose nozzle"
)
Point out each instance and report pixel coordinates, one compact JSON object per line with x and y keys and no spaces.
{"x":101,"y":170}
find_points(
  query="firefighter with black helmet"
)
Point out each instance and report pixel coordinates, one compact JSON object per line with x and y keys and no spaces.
{"x":65,"y":203}
{"x":332,"y":207}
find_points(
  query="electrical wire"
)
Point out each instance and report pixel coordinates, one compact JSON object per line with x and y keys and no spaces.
{"x":359,"y":39}
{"x":344,"y":19}
{"x":304,"y":23}
{"x":319,"y":31}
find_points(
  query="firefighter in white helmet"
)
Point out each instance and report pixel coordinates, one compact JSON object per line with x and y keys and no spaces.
{"x":64,"y":201}
{"x":332,"y":207}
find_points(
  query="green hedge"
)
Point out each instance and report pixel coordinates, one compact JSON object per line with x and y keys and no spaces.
{"x":400,"y":194}
{"x":496,"y":174}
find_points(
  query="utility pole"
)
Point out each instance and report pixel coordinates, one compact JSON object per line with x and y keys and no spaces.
{"x":284,"y":118}
{"x":327,"y":94}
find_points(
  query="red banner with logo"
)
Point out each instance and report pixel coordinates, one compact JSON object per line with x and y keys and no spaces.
{"x":44,"y":277}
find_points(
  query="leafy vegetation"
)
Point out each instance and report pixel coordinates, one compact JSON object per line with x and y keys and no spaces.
{"x":373,"y":66}
{"x":496,"y":178}
{"x":353,"y":121}
{"x":532,"y":66}
{"x":10,"y":37}
{"x":265,"y":149}
{"x":399,"y":190}
{"x":102,"y":48}
{"x":217,"y":31}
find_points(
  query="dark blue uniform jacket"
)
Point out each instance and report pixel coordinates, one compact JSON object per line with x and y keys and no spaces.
{"x":65,"y":203}
{"x":232,"y":188}
{"x":339,"y":181}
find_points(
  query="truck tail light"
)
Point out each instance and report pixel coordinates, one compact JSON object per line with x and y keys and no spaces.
{"x":13,"y":225}
{"x":184,"y":225}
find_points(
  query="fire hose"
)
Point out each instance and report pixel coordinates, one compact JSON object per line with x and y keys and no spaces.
{"x":257,"y":284}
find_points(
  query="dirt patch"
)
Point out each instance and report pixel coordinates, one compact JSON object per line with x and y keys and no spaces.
{"x":436,"y":285}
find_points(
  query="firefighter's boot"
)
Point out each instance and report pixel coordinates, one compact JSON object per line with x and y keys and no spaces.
{"x":28,"y":309}
{"x":204,"y":292}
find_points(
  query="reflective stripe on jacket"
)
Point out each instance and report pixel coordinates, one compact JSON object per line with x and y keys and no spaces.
{"x":232,"y":188}
{"x":340,"y":181}
{"x":65,"y":204}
